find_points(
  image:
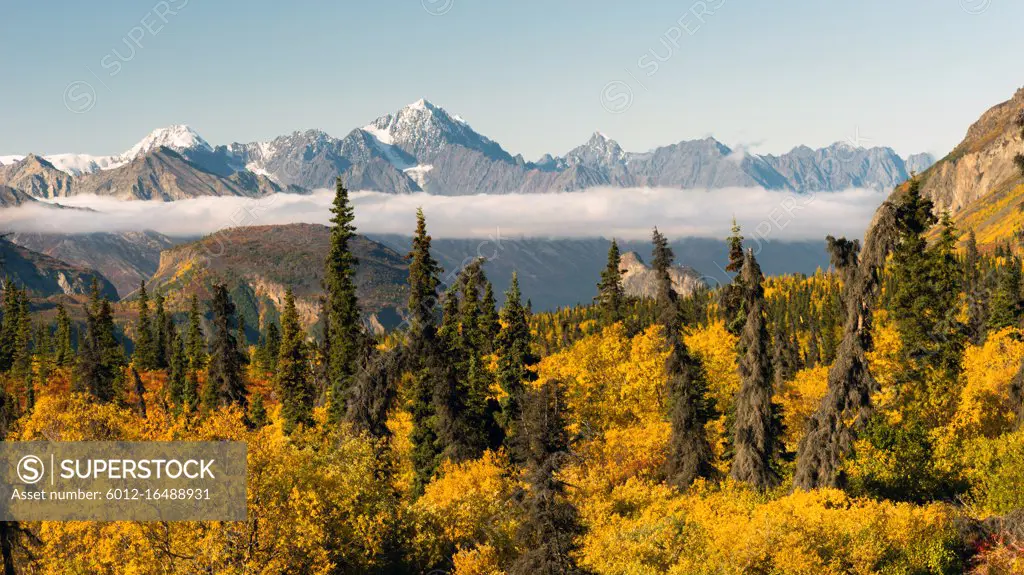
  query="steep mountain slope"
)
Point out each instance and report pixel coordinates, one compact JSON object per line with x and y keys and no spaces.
{"x":260,"y":262}
{"x":124,"y":258}
{"x":10,"y":197}
{"x":166,"y":175}
{"x":44,"y":276}
{"x":313,"y":159}
{"x":36,"y":177}
{"x":979,"y":182}
{"x":983,"y":162}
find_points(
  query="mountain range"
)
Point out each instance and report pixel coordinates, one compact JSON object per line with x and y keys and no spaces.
{"x":423,"y":148}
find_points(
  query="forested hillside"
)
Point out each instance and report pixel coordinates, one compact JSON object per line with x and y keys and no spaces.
{"x":860,"y":420}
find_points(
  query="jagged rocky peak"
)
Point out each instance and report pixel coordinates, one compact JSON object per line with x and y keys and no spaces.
{"x":639,"y":280}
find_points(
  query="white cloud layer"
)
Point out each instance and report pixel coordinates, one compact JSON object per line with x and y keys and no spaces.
{"x":606,"y":212}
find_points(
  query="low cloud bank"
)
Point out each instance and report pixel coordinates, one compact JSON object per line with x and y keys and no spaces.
{"x":608,"y":212}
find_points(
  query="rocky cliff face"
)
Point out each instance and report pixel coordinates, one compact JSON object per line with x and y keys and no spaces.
{"x":44,"y":276}
{"x":983,"y":163}
{"x":639,"y":279}
{"x":124,"y":258}
{"x":979,"y":183}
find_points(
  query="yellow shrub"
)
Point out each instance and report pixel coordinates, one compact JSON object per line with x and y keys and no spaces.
{"x":799,"y":400}
{"x":611,"y":380}
{"x":468,"y":503}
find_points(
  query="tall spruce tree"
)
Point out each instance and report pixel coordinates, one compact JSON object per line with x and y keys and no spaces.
{"x":293,"y":380}
{"x":547,"y":537}
{"x":195,"y":339}
{"x":690,"y":454}
{"x":515,"y":358}
{"x":179,"y":373}
{"x":342,"y":321}
{"x":22,"y":368}
{"x":975,"y":289}
{"x":732,"y":295}
{"x":162,"y":323}
{"x":846,"y":407}
{"x":145,"y":355}
{"x":10,"y":325}
{"x":44,"y":353}
{"x":1005,"y":305}
{"x":457,"y":422}
{"x":490,"y":324}
{"x":758,"y":426}
{"x":64,"y":354}
{"x":423,"y":345}
{"x":101,"y":356}
{"x":610,"y":293}
{"x":224,"y":382}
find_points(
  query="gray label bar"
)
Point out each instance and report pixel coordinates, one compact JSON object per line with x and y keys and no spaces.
{"x":122,"y":481}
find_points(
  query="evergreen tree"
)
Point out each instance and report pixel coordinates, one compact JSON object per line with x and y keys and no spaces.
{"x":161,"y":333}
{"x":515,"y":357}
{"x":145,"y":356}
{"x":846,"y":407}
{"x":224,"y":382}
{"x":490,"y":325}
{"x":195,"y":340}
{"x":243,"y":341}
{"x":1005,"y":304}
{"x":342,"y":319}
{"x":785,"y":354}
{"x":690,"y":454}
{"x":610,"y":293}
{"x":140,"y":392}
{"x":547,"y":537}
{"x":63,"y":345}
{"x":912,"y":299}
{"x":460,"y":409}
{"x":424,"y":353}
{"x":258,"y":412}
{"x":758,"y":427}
{"x":293,"y":381}
{"x":9,"y":327}
{"x":178,"y":377}
{"x":273,"y":345}
{"x":12,"y":534}
{"x":44,"y":353}
{"x":100,"y":356}
{"x":374,"y":391}
{"x":974,"y":288}
{"x":732,"y":295}
{"x":21,"y":367}
{"x":457,"y":440}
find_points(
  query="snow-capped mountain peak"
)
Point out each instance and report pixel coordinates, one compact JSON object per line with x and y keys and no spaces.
{"x":178,"y":137}
{"x":423,"y":129}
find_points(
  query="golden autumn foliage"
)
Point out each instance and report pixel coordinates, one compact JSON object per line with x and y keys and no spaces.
{"x":325,"y":501}
{"x":612,"y":380}
{"x":467,"y":504}
{"x":646,"y":528}
{"x":313,"y":499}
{"x":799,"y":400}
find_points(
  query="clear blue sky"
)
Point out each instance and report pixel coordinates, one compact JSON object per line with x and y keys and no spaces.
{"x":912,"y":74}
